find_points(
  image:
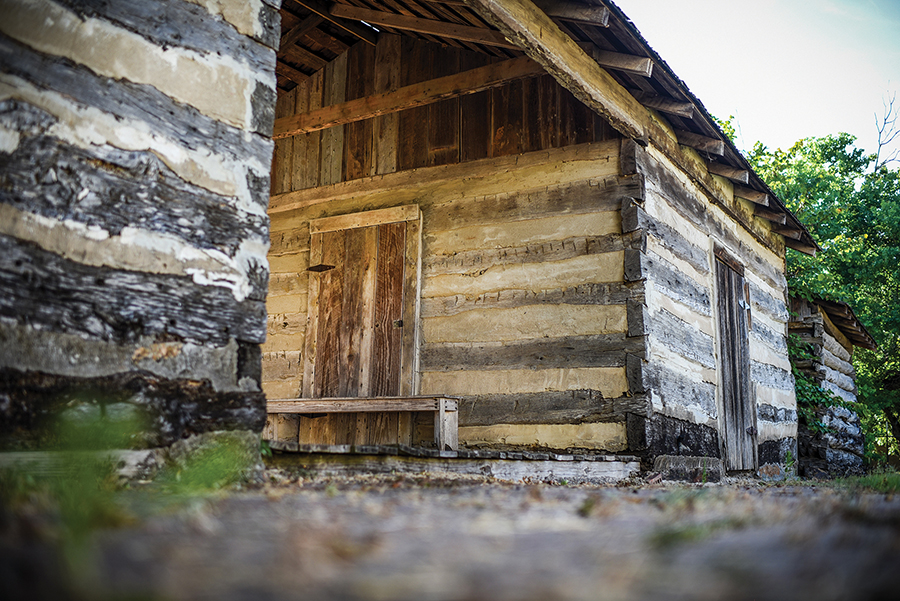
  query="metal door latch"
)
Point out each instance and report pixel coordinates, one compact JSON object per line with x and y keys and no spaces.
{"x":751,"y":431}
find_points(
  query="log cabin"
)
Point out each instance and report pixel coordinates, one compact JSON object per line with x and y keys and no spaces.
{"x":513,"y":217}
{"x":831,"y":331}
{"x":497,"y":223}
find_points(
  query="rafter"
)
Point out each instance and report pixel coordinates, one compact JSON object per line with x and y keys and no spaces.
{"x":773,"y":216}
{"x":735,"y":174}
{"x":755,"y":196}
{"x":464,"y":33}
{"x":638,"y":65}
{"x":298,"y":31}
{"x":291,"y":73}
{"x":322,"y":9}
{"x":665,"y":105}
{"x":426,"y":92}
{"x":702,"y":143}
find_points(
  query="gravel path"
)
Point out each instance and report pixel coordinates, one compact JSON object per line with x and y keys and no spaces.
{"x":467,"y":538}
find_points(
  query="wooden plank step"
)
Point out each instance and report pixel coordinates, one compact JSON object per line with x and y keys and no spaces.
{"x":361,"y":405}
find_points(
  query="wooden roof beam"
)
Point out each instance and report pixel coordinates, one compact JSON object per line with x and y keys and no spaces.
{"x":665,"y":105}
{"x":638,"y":65}
{"x":773,"y":216}
{"x":755,"y":196}
{"x":738,"y":176}
{"x":701,"y":143}
{"x":298,"y":31}
{"x":291,"y":73}
{"x":426,"y":92}
{"x":464,"y":33}
{"x":575,"y":11}
{"x":322,"y":9}
{"x":800,"y":246}
{"x":787,"y":231}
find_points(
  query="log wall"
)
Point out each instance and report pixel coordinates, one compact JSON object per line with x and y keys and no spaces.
{"x":839,"y":451}
{"x":135,"y":154}
{"x":677,"y":266}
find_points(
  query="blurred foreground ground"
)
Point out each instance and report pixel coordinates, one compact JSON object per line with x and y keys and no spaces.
{"x":471,"y":538}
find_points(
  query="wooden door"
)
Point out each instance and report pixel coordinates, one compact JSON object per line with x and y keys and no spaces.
{"x":738,"y":405}
{"x":363,"y":288}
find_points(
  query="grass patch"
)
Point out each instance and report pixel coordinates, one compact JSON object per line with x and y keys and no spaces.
{"x":669,"y":536}
{"x":881,"y":482}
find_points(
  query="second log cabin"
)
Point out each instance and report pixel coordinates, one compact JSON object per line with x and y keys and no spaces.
{"x":518,"y":205}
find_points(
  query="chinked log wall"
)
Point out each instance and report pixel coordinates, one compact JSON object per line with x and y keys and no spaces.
{"x":677,"y":267}
{"x":134,"y":159}
{"x":524,"y":305}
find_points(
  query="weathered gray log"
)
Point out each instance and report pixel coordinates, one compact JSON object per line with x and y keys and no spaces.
{"x":663,"y":435}
{"x":166,"y":410}
{"x":122,"y":306}
{"x":638,"y":319}
{"x":774,"y":307}
{"x":776,"y":415}
{"x":113,"y":189}
{"x":838,"y":364}
{"x":602,"y":350}
{"x":561,"y":407}
{"x":184,"y":24}
{"x":774,"y":340}
{"x":613,"y":293}
{"x":634,"y":217}
{"x":840,"y":380}
{"x":836,"y":348}
{"x":771,"y":376}
{"x":676,"y":390}
{"x":682,"y":338}
{"x":164,"y":116}
{"x":695,"y":211}
{"x":473,"y":260}
{"x":678,"y":286}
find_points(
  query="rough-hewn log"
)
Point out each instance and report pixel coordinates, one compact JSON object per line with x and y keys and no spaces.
{"x":419,"y":94}
{"x":663,"y":104}
{"x":788,"y":231}
{"x":602,"y":350}
{"x":735,"y":174}
{"x":771,"y":376}
{"x":568,"y":407}
{"x":637,"y":65}
{"x":799,"y":246}
{"x":755,"y":196}
{"x":165,"y":410}
{"x":674,"y":389}
{"x":683,"y":338}
{"x":701,"y":143}
{"x":775,"y":340}
{"x":773,"y":216}
{"x":775,"y":415}
{"x":774,"y":307}
{"x":299,"y":30}
{"x":663,"y":435}
{"x":112,"y":189}
{"x":634,"y":217}
{"x":473,"y":260}
{"x":576,"y":11}
{"x":675,"y":284}
{"x":586,"y":294}
{"x":121,"y":306}
{"x":167,"y":118}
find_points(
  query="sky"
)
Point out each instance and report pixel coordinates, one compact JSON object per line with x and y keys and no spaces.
{"x":786,"y":69}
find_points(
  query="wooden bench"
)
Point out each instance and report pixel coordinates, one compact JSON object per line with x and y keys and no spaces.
{"x":445,"y":409}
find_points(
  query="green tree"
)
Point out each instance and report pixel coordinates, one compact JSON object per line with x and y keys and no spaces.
{"x":851,"y":204}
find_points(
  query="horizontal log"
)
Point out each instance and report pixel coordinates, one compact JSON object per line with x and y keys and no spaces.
{"x":674,"y":389}
{"x":755,"y":196}
{"x":474,"y":260}
{"x":167,"y":409}
{"x":774,"y":307}
{"x":770,"y":376}
{"x":682,"y":338}
{"x":667,"y":279}
{"x":735,"y":174}
{"x":603,"y":350}
{"x":585,"y":294}
{"x":184,"y":24}
{"x":836,"y":348}
{"x":323,"y":9}
{"x":840,"y":380}
{"x":701,"y":143}
{"x":419,"y":94}
{"x":770,"y":413}
{"x":839,"y":392}
{"x":664,"y":104}
{"x":118,"y":305}
{"x":454,"y":31}
{"x":774,"y":340}
{"x":773,"y":216}
{"x":634,"y":217}
{"x":112,"y":189}
{"x":360,"y":405}
{"x":165,"y":117}
{"x":838,"y":364}
{"x":566,"y":407}
{"x":636,"y":65}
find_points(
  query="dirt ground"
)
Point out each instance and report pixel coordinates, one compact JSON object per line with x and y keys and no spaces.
{"x":471,"y":538}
